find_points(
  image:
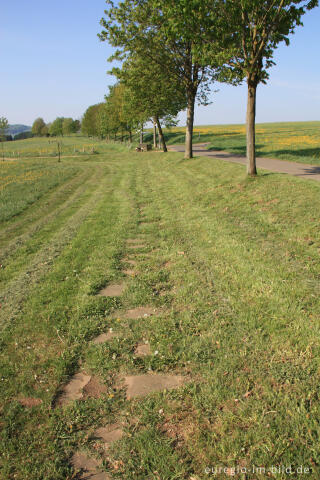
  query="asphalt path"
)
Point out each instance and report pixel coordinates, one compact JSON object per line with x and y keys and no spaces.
{"x":302,"y":170}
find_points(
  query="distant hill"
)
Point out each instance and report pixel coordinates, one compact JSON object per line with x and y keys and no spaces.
{"x":15,"y":129}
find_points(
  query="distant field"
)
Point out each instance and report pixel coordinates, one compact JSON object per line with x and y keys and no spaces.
{"x":231,"y":266}
{"x":297,"y":142}
{"x":74,"y":145}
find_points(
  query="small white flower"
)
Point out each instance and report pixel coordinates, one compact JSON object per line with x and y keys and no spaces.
{"x":114,"y":356}
{"x":156,"y":352}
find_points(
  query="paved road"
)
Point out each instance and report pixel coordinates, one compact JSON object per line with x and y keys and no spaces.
{"x":302,"y":170}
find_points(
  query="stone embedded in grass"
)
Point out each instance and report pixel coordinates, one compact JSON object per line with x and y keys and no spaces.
{"x":74,"y":389}
{"x":142,"y":350}
{"x":130,"y":273}
{"x":88,"y":467}
{"x":103,"y":338}
{"x":109,"y":434}
{"x":136,"y":247}
{"x":94,"y":388}
{"x":112,"y":291}
{"x":130,"y":261}
{"x":142,"y":385}
{"x":139,"y":312}
{"x":30,"y":402}
{"x":134,"y":241}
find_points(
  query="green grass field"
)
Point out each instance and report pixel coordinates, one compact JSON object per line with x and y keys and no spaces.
{"x":73,"y":146}
{"x":232,"y":266}
{"x":296,"y":142}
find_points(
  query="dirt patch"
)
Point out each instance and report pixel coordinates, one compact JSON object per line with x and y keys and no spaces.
{"x":30,"y":402}
{"x":104,"y":337}
{"x":112,"y":291}
{"x":142,"y":350}
{"x":109,"y":434}
{"x":94,"y":388}
{"x":142,"y":385}
{"x":88,"y":467}
{"x":74,"y":389}
{"x":140,"y":312}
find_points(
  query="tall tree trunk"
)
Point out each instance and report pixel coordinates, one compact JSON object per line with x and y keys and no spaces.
{"x":141,"y":133}
{"x":189,"y":128}
{"x":251,"y":128}
{"x":130,"y":136}
{"x":162,"y":140}
{"x":154,"y":133}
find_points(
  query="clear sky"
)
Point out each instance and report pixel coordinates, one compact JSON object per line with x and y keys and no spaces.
{"x":53,"y":64}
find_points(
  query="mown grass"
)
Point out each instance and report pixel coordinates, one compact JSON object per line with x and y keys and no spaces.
{"x":232,"y":266}
{"x":296,"y":142}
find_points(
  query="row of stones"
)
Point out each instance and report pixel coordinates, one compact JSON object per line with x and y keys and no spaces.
{"x":82,"y":385}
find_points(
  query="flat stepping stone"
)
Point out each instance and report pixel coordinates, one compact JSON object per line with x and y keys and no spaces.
{"x":112,"y":291}
{"x":109,"y":434}
{"x":30,"y":402}
{"x":131,"y":262}
{"x":142,"y":350}
{"x":88,"y":466}
{"x":139,"y":312}
{"x":142,"y":385}
{"x":94,"y":388}
{"x":134,"y":241}
{"x":130,"y":273}
{"x":104,"y":337}
{"x":74,"y":389}
{"x":136,"y":247}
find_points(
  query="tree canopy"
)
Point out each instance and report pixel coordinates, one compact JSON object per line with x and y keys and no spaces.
{"x":38,"y":127}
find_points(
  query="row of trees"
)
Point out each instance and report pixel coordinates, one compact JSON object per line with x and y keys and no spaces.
{"x":172,"y":51}
{"x":60,"y":126}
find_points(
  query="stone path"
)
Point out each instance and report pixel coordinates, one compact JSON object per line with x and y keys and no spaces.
{"x":88,"y":467}
{"x":112,"y":291}
{"x":104,"y":337}
{"x":139,"y":312}
{"x":74,"y":389}
{"x":82,"y":386}
{"x":302,"y":170}
{"x":142,"y":385}
{"x":142,"y":350}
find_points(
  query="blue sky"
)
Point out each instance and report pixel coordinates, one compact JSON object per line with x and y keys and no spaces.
{"x":53,"y":64}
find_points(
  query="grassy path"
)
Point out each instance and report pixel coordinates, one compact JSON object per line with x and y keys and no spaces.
{"x":232,"y":267}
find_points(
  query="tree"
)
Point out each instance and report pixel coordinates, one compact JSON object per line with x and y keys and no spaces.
{"x":70,"y":126}
{"x":89,"y":124}
{"x":153,"y":95}
{"x":76,"y":126}
{"x":37,"y":127}
{"x":3,"y":128}
{"x":45,"y":131}
{"x":253,"y":29}
{"x":56,"y":127}
{"x":158,"y":30}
